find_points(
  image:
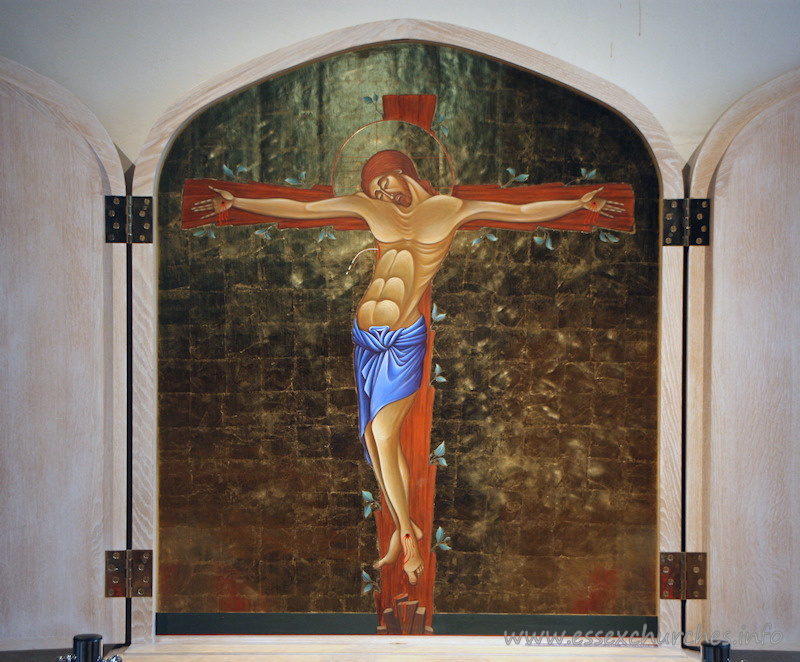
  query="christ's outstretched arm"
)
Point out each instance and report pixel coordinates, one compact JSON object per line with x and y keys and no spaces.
{"x":535,"y":212}
{"x":348,"y":205}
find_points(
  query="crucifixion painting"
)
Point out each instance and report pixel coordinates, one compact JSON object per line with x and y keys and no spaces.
{"x":413,"y":225}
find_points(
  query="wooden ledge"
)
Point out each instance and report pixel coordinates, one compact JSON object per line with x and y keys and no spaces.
{"x":372,"y":648}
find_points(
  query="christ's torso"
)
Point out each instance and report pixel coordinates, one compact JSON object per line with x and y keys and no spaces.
{"x":403,"y":272}
{"x":411,"y":247}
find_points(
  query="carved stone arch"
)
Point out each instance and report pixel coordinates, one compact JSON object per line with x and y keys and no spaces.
{"x":148,"y":165}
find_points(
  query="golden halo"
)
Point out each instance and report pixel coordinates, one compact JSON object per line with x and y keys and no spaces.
{"x":426,"y":151}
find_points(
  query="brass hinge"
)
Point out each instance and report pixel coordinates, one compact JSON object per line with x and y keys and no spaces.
{"x":687,"y":222}
{"x":684,"y":575}
{"x":129,"y":219}
{"x":129,"y":573}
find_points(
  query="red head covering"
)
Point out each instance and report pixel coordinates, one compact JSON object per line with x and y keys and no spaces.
{"x":388,"y":161}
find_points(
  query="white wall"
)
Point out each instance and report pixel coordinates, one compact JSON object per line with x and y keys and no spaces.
{"x":686,"y":60}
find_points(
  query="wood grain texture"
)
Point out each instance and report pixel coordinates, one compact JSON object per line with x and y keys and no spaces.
{"x":179,"y":114}
{"x":63,"y":106}
{"x":144,"y":414}
{"x":707,"y":156}
{"x":383,"y":647}
{"x":669,"y":419}
{"x":748,"y":509}
{"x":698,"y":407}
{"x":62,"y":352}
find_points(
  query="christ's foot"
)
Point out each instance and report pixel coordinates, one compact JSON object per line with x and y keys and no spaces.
{"x":392,"y":553}
{"x":412,"y":561}
{"x":394,"y":547}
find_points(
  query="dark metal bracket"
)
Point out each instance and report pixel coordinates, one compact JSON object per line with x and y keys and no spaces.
{"x":686,"y":222}
{"x":129,"y":219}
{"x":684,"y":575}
{"x":129,"y":573}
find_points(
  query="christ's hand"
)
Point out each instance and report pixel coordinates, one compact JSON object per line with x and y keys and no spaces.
{"x":214,"y":205}
{"x":601,"y":206}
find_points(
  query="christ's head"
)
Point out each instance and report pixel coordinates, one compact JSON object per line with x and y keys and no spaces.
{"x":386,"y":176}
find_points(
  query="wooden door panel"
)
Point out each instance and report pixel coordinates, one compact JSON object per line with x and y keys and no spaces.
{"x":743,"y":455}
{"x":62,"y":474}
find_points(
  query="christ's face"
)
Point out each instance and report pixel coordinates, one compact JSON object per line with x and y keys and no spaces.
{"x":391,"y":187}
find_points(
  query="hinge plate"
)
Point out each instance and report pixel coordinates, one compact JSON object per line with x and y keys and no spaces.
{"x":683,"y":575}
{"x":129,"y":573}
{"x":686,"y":222}
{"x":116,"y":219}
{"x":129,"y":219}
{"x":141,"y":215}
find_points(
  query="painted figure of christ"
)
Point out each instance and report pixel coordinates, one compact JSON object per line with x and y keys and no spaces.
{"x":413,"y":227}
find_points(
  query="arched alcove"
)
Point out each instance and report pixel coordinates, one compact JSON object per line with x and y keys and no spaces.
{"x":477,"y":412}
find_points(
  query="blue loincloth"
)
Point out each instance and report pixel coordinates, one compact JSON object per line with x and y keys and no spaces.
{"x":388,"y":367}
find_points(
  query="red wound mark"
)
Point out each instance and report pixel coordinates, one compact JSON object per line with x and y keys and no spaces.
{"x":408,"y":549}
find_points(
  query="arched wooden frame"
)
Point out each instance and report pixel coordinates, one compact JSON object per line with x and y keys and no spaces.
{"x":144,"y":287}
{"x":708,"y":481}
{"x":82,"y":468}
{"x":66,"y":108}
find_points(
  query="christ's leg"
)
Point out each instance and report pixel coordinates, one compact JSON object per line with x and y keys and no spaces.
{"x":406,"y":474}
{"x":386,"y":432}
{"x":394,"y":543}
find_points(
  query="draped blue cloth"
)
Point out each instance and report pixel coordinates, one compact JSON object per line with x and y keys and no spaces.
{"x":388,"y":367}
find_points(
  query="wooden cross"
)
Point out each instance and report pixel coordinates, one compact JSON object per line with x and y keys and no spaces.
{"x":415,"y":432}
